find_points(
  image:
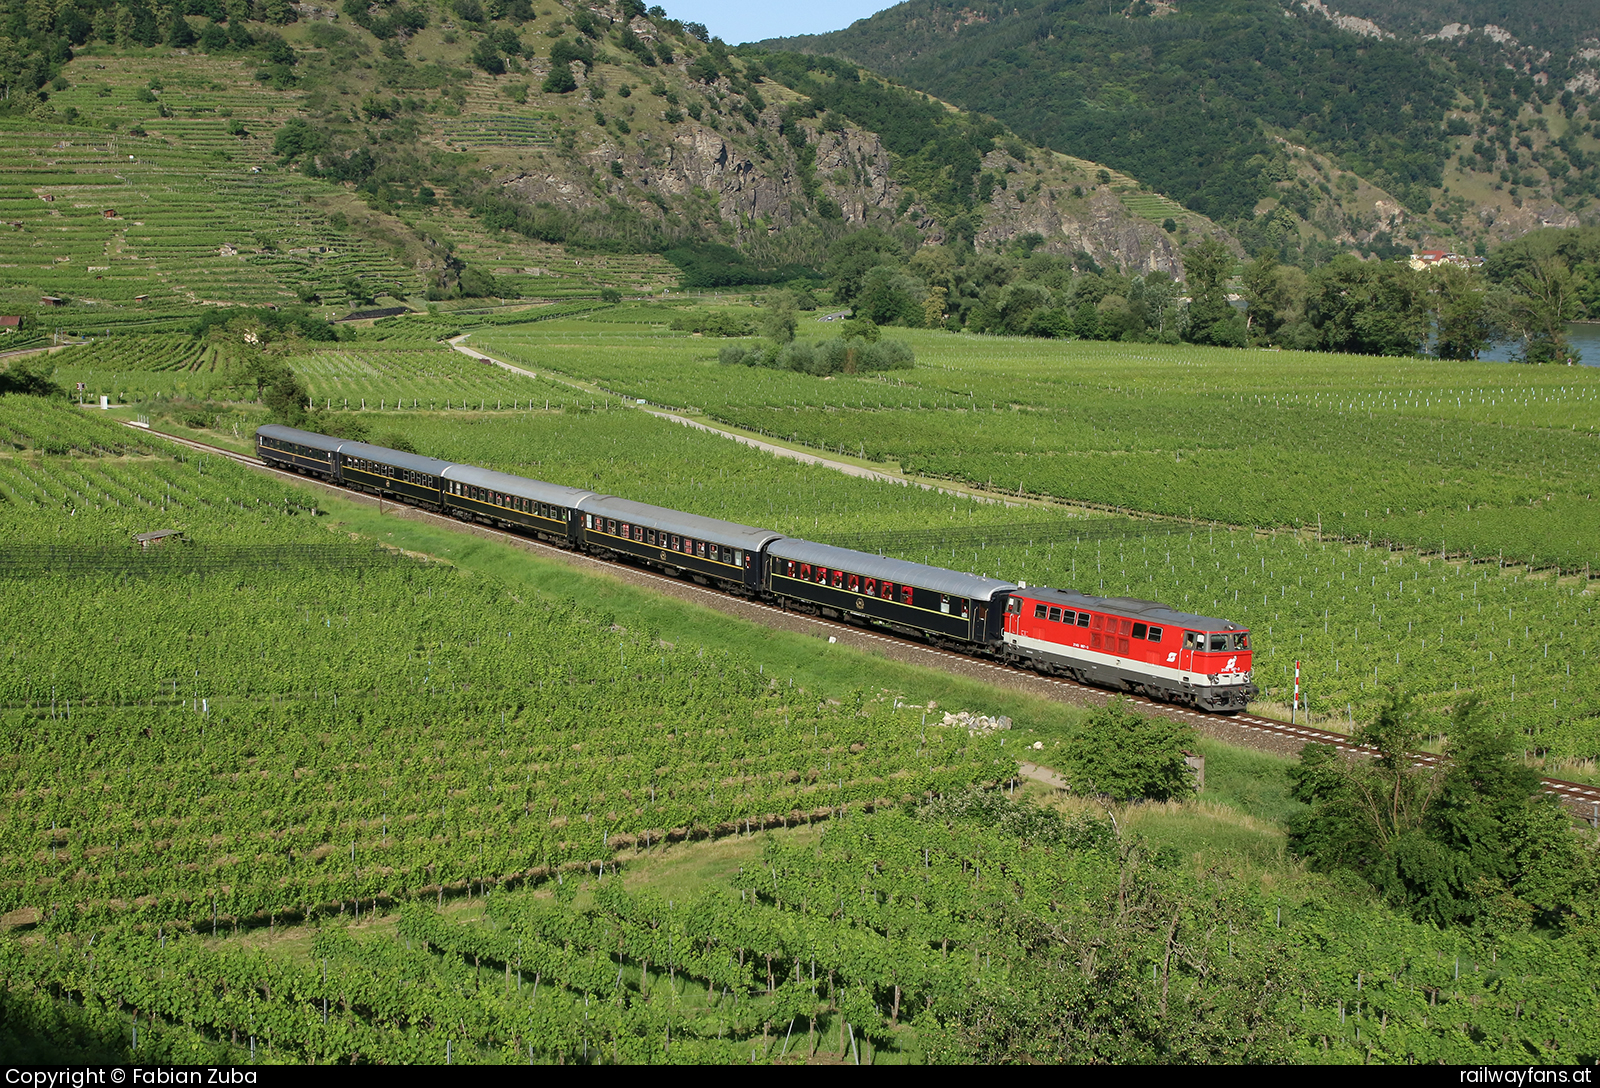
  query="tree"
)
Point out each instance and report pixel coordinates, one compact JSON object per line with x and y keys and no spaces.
{"x":1470,"y":840}
{"x":779,"y":320}
{"x":1463,"y":324}
{"x":1207,"y":268}
{"x":1369,"y":307}
{"x":853,"y":256}
{"x":1544,"y":296}
{"x":889,"y":296}
{"x":1129,"y":756}
{"x":31,"y":375}
{"x":297,"y":139}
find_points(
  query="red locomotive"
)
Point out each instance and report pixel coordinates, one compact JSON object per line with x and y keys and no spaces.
{"x":1133,"y":645}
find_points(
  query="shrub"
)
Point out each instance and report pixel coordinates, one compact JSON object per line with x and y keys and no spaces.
{"x":1127,"y":756}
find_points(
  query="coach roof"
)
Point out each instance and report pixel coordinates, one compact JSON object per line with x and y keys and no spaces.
{"x":309,"y":439}
{"x":411,"y":462}
{"x":1149,"y":611}
{"x":952,"y":582}
{"x":714,"y":530}
{"x":520,"y":486}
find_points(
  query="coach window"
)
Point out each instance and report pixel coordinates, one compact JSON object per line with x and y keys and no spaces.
{"x":700,"y":548}
{"x":838,"y":579}
{"x":1039,"y":611}
{"x":1139,"y":630}
{"x":966,"y":608}
{"x":674,"y":541}
{"x":638,"y":534}
{"x":738,"y":557}
{"x":944,"y":603}
{"x":905,"y":595}
{"x":627,"y":531}
{"x":872,"y":587}
{"x":1154,"y":635}
{"x":888,"y":591}
{"x":854,"y":585}
{"x":822,"y":576}
{"x":805,"y":571}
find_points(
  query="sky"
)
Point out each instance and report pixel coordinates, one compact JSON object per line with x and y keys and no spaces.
{"x":738,"y":21}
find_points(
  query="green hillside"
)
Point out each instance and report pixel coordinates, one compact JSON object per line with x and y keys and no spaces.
{"x":155,"y":163}
{"x":1221,"y":104}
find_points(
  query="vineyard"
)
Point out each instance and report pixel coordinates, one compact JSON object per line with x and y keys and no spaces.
{"x":552,"y":738}
{"x":303,"y":746}
{"x":1359,"y":618}
{"x":898,"y":936}
{"x":1480,"y":457}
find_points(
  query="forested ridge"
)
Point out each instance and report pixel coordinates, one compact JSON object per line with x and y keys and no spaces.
{"x":1207,"y":101}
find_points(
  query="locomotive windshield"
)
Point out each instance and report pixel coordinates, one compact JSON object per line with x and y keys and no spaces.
{"x":1222,"y":642}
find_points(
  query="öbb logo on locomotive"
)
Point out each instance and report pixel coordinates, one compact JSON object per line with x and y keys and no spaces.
{"x":1116,"y":642}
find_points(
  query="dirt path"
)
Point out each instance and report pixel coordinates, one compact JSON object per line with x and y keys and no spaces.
{"x":845,"y":467}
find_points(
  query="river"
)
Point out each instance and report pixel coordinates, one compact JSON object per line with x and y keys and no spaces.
{"x":1585,"y":337}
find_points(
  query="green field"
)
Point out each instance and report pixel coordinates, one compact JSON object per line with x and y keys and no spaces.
{"x":1457,"y":499}
{"x":525,"y":765}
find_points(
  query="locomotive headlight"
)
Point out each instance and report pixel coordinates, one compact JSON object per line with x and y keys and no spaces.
{"x":1212,"y":677}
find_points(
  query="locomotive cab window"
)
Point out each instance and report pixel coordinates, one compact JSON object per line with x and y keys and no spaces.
{"x":1219,"y":642}
{"x":1241,"y":642}
{"x":1040,"y":611}
{"x":1189,"y":640}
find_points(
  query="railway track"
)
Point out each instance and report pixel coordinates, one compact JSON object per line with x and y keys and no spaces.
{"x":1249,"y":730}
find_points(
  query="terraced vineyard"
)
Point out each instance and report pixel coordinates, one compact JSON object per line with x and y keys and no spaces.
{"x":199,"y":217}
